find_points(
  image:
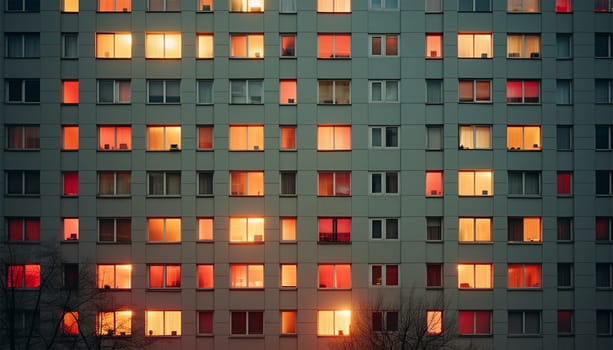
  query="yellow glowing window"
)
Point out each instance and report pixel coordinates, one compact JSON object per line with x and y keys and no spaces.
{"x":113,"y":45}
{"x":247,"y":45}
{"x":334,"y":6}
{"x":288,"y":322}
{"x":246,"y":276}
{"x":475,"y":230}
{"x":205,"y":276}
{"x":163,"y":45}
{"x":162,"y":323}
{"x":475,"y":183}
{"x":333,"y":138}
{"x":524,"y":275}
{"x":114,"y":276}
{"x":472,"y":276}
{"x":475,"y":137}
{"x":475,"y":45}
{"x":114,"y":323}
{"x":70,"y":138}
{"x":287,"y":92}
{"x":115,"y":5}
{"x":163,"y":138}
{"x":247,"y":5}
{"x":164,"y":229}
{"x":205,"y":46}
{"x":288,"y":275}
{"x":333,"y":322}
{"x":434,"y":322}
{"x":71,"y":229}
{"x":524,"y":138}
{"x":205,"y":229}
{"x":523,"y":46}
{"x":247,"y":183}
{"x":70,"y":5}
{"x":70,"y":323}
{"x":526,"y":229}
{"x":246,"y":138}
{"x":523,"y":5}
{"x":246,"y":229}
{"x":288,"y":229}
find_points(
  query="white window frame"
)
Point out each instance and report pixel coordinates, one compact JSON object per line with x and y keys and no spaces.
{"x":164,"y":7}
{"x":23,"y":87}
{"x":474,"y":87}
{"x":523,"y":321}
{"x":255,"y":99}
{"x":607,"y":85}
{"x":24,"y":38}
{"x":524,"y":174}
{"x":115,"y":230}
{"x":523,"y":54}
{"x":383,"y":89}
{"x":384,"y":5}
{"x":474,"y":136}
{"x":383,"y":276}
{"x":166,"y":99}
{"x":164,"y":179}
{"x":334,"y":98}
{"x":384,"y":137}
{"x":117,"y":85}
{"x":383,"y":175}
{"x":384,"y":232}
{"x":115,"y":183}
{"x":383,"y":45}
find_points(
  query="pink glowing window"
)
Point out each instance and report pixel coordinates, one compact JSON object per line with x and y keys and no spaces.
{"x":434,"y":183}
{"x":334,"y":229}
{"x":287,"y":92}
{"x":115,"y":138}
{"x":71,"y":229}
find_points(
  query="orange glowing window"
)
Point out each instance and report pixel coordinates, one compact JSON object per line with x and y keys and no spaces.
{"x":205,"y":46}
{"x":163,"y":45}
{"x":334,"y":6}
{"x":205,"y":5}
{"x":524,"y":138}
{"x":113,"y":45}
{"x":205,"y":137}
{"x":164,"y":229}
{"x":70,"y":183}
{"x":246,"y":138}
{"x":288,"y":322}
{"x":434,"y":322}
{"x":334,"y":276}
{"x":70,"y":91}
{"x":71,"y":229}
{"x":337,"y":183}
{"x":164,"y":276}
{"x":333,"y":322}
{"x":475,"y":230}
{"x":334,"y":45}
{"x":23,"y":229}
{"x":288,"y":275}
{"x":205,"y":229}
{"x":287,"y":92}
{"x":114,"y":323}
{"x":288,"y":138}
{"x":475,"y":276}
{"x":246,"y":230}
{"x":247,"y":5}
{"x":247,"y":45}
{"x":246,"y":183}
{"x":288,"y":45}
{"x":434,"y":45}
{"x":333,"y":138}
{"x":117,"y":276}
{"x":474,"y":91}
{"x":524,"y":275}
{"x":23,"y":276}
{"x":475,"y":183}
{"x":246,"y":276}
{"x":205,"y":276}
{"x":288,"y":229}
{"x":434,"y":183}
{"x":162,"y":323}
{"x":527,"y":229}
{"x":70,"y":138}
{"x":163,"y":138}
{"x":70,"y":323}
{"x":115,"y":5}
{"x":115,"y":138}
{"x":69,"y":5}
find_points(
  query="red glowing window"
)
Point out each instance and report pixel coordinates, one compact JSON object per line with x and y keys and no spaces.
{"x":71,"y":183}
{"x":384,"y":275}
{"x":523,"y":91}
{"x":288,"y":138}
{"x":603,"y":229}
{"x":334,"y":229}
{"x":23,"y":276}
{"x":524,"y":275}
{"x":564,"y":6}
{"x":71,"y":91}
{"x":334,"y":276}
{"x":474,"y":322}
{"x":434,"y":183}
{"x":287,"y":92}
{"x":70,"y":323}
{"x":564,"y":183}
{"x":205,"y":277}
{"x":24,"y":229}
{"x":565,"y":321}
{"x":334,"y":45}
{"x":164,"y":276}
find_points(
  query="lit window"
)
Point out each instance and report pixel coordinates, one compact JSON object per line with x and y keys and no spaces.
{"x":288,"y":183}
{"x":524,"y":138}
{"x":333,"y":322}
{"x":163,"y":138}
{"x":70,"y":273}
{"x":287,"y":92}
{"x":113,"y":45}
{"x":163,"y":183}
{"x":70,"y":323}
{"x":475,"y":276}
{"x":118,"y":276}
{"x":205,"y":183}
{"x":22,"y":90}
{"x":205,"y":137}
{"x":22,"y":137}
{"x":434,"y":91}
{"x":384,"y":321}
{"x":115,"y":5}
{"x":384,"y":275}
{"x":114,"y":323}
{"x":474,"y":322}
{"x":475,"y":183}
{"x":287,"y":6}
{"x":334,"y":230}
{"x":163,"y":45}
{"x":22,"y":45}
{"x":524,"y":276}
{"x":335,"y":6}
{"x":603,"y":6}
{"x":23,"y":229}
{"x":565,"y":180}
{"x":564,"y":137}
{"x":434,"y":45}
{"x":162,"y":323}
{"x":163,"y":5}
{"x":384,"y":182}
{"x":564,"y":229}
{"x":334,"y":183}
{"x":434,"y":228}
{"x":247,"y":45}
{"x":164,"y":229}
{"x":246,"y":276}
{"x":384,"y":4}
{"x":70,"y":45}
{"x":434,"y":322}
{"x":247,"y":5}
{"x":114,"y":91}
{"x":564,"y":91}
{"x":523,"y":91}
{"x":164,"y":276}
{"x":475,"y":230}
{"x":565,"y":275}
{"x":205,"y":322}
{"x":114,"y":138}
{"x":114,"y":230}
{"x":246,"y":91}
{"x":524,"y":323}
{"x":334,"y":92}
{"x":526,"y":229}
{"x":524,"y":183}
{"x":523,"y":5}
{"x":333,"y":138}
{"x":334,"y":45}
{"x":246,"y":138}
{"x":434,"y":183}
{"x":246,"y":230}
{"x":205,"y":229}
{"x":564,"y":6}
{"x":288,"y":322}
{"x":604,"y":229}
{"x":23,"y":276}
{"x":475,"y":45}
{"x":336,"y":276}
{"x":247,"y":322}
{"x":70,"y":138}
{"x":288,"y":276}
{"x":23,"y":6}
{"x":383,"y":136}
{"x":475,"y":90}
{"x":70,"y":229}
{"x":384,"y":228}
{"x":70,"y":6}
{"x":288,"y":229}
{"x":604,"y":275}
{"x":475,"y":137}
{"x":114,"y":183}
{"x":384,"y":90}
{"x":434,"y":6}
{"x":382,"y":45}
{"x":288,"y":45}
{"x":22,"y":183}
{"x":564,"y":47}
{"x":565,"y":322}
{"x":205,"y":277}
{"x":246,"y":183}
{"x":434,"y":137}
{"x":524,"y":46}
{"x":205,"y":92}
{"x":434,"y":275}
{"x":205,"y":5}
{"x":603,"y":91}
{"x":604,"y":137}
{"x":164,"y":91}
{"x":288,"y":138}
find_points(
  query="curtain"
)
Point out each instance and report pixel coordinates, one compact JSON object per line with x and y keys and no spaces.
{"x":343,"y":184}
{"x":533,"y":46}
{"x":391,"y":228}
{"x":435,"y":139}
{"x":287,"y":6}
{"x":106,"y":228}
{"x":434,"y":275}
{"x":342,"y":276}
{"x":256,"y":324}
{"x":288,"y":183}
{"x":341,"y":91}
{"x":467,"y":137}
{"x":376,"y":229}
{"x":483,"y":228}
{"x":255,"y":91}
{"x":465,"y":45}
{"x":375,"y":183}
{"x":483,"y":91}
{"x":483,"y":44}
{"x":391,"y":91}
{"x":375,"y":137}
{"x":434,"y":91}
{"x":172,"y":322}
{"x":156,"y":183}
{"x":238,"y":91}
{"x":173,"y":276}
{"x":173,"y":183}
{"x":482,"y":137}
{"x":205,"y":183}
{"x":515,"y":183}
{"x":325,"y":184}
{"x":514,"y":5}
{"x":514,"y":45}
{"x":466,"y":230}
{"x":31,"y":45}
{"x":532,"y":184}
{"x":466,"y":93}
{"x":375,"y":93}
{"x":391,"y":275}
{"x":124,"y":231}
{"x":391,"y":183}
{"x":124,"y":181}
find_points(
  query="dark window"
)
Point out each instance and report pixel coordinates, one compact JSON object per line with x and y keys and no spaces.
{"x":71,"y":276}
{"x":434,"y":275}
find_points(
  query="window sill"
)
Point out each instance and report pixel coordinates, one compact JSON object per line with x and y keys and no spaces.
{"x":288,"y":150}
{"x":476,"y":289}
{"x":475,"y":335}
{"x":475,"y":102}
{"x":113,"y":150}
{"x":438,"y":58}
{"x":246,"y":289}
{"x":205,"y":289}
{"x":115,"y":289}
{"x":525,"y":289}
{"x":333,"y":104}
{"x":567,"y":289}
{"x":246,"y":336}
{"x":333,"y":289}
{"x":333,"y":243}
{"x":114,"y":11}
{"x":204,"y":104}
{"x":69,"y":241}
{"x":22,"y":242}
{"x":438,"y":241}
{"x":25,"y":150}
{"x":524,"y":196}
{"x":208,"y":195}
{"x":261,"y":58}
{"x":163,"y":103}
{"x":163,"y":336}
{"x":524,"y":336}
{"x":334,"y":58}
{"x":604,"y":242}
{"x":163,"y":242}
{"x":208,"y":335}
{"x":288,"y":289}
{"x":20,"y":195}
{"x":246,"y":195}
{"x":288,"y":242}
{"x":475,"y":243}
{"x":288,"y":195}
{"x":114,"y":58}
{"x":164,"y":290}
{"x":288,"y":335}
{"x":111,"y":196}
{"x":434,"y":287}
{"x":112,"y":243}
{"x":246,"y":242}
{"x":163,"y":196}
{"x":245,"y":104}
{"x":523,"y":150}
{"x":288,"y":57}
{"x":525,"y":242}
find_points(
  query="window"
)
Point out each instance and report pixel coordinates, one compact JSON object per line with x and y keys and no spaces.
{"x":475,"y":5}
{"x":384,"y":4}
{"x":475,"y":230}
{"x":334,"y":230}
{"x":70,"y":6}
{"x":70,"y":323}
{"x":603,"y":6}
{"x":23,"y":6}
{"x":114,"y":138}
{"x":288,"y":276}
{"x":384,"y":228}
{"x":205,"y":5}
{"x":604,"y":137}
{"x":23,"y":229}
{"x":113,"y":45}
{"x":22,"y":183}
{"x":205,"y":92}
{"x":117,"y":276}
{"x":471,"y":45}
{"x":114,"y":91}
{"x":334,"y":92}
{"x":475,"y":276}
{"x":604,"y":275}
{"x":565,"y":180}
{"x":434,"y":275}
{"x":524,"y":322}
{"x":564,"y":137}
{"x":163,"y":183}
{"x":114,"y":183}
{"x":604,"y":229}
{"x":164,"y":229}
{"x":247,"y":322}
{"x":475,"y":91}
{"x":288,"y":45}
{"x":287,"y":6}
{"x":334,"y":45}
{"x":163,"y":323}
{"x":287,"y":92}
{"x":205,"y":229}
{"x":71,"y":276}
{"x":116,"y":5}
{"x":205,"y":183}
{"x":384,"y":275}
{"x":22,"y":90}
{"x":565,"y":275}
{"x":384,"y":183}
{"x":246,"y":5}
{"x":288,"y":183}
{"x":23,"y":276}
{"x":246,"y":276}
{"x":434,"y":183}
{"x":434,"y":6}
{"x":70,"y":138}
{"x":474,"y":322}
{"x":22,"y":137}
{"x":337,"y":183}
{"x":523,"y":6}
{"x":70,"y":183}
{"x":475,"y":183}
{"x":70,"y":229}
{"x":564,"y":6}
{"x":384,"y":321}
{"x":524,"y":46}
{"x":246,"y":91}
{"x":246,"y":137}
{"x":434,"y":45}
{"x":383,"y":136}
{"x":524,"y":183}
{"x":246,"y":229}
{"x":336,"y":6}
{"x":333,"y":137}
{"x":604,"y":183}
{"x":563,"y":46}
{"x":523,"y":91}
{"x":434,"y":137}
{"x":604,"y":322}
{"x":334,"y":276}
{"x":114,"y":230}
{"x":163,"y":138}
{"x":205,"y":322}
{"x":247,"y":45}
{"x":565,"y":229}
{"x":434,"y":322}
{"x":475,"y":137}
{"x":288,"y":229}
{"x":434,"y":91}
{"x":288,"y":138}
{"x":114,"y":323}
{"x":333,"y":322}
{"x":603,"y":91}
{"x":603,"y":45}
{"x":205,"y":276}
{"x":564,"y":91}
{"x":524,"y":276}
{"x":384,"y":90}
{"x":288,"y":321}
{"x":205,"y":137}
{"x":525,"y":229}
{"x":164,"y":91}
{"x":163,"y":5}
{"x":382,"y":45}
{"x":22,"y":45}
{"x":434,"y":228}
{"x":163,"y":45}
{"x":246,"y":183}
{"x":70,"y":45}
{"x":164,"y":276}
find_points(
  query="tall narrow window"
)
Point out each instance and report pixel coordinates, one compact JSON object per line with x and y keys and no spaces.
{"x":564,"y":229}
{"x":70,"y":6}
{"x":70,"y":45}
{"x":70,"y":323}
{"x":564,"y":6}
{"x":288,"y":183}
{"x":475,"y":91}
{"x":434,"y":275}
{"x":434,"y":91}
{"x":288,"y":138}
{"x":288,"y":321}
{"x":70,"y":229}
{"x":288,"y":45}
{"x":434,"y":45}
{"x":205,"y":46}
{"x":287,"y":92}
{"x":205,"y":137}
{"x":564,"y":47}
{"x":288,"y":276}
{"x":434,"y":322}
{"x":70,"y":138}
{"x":288,"y":229}
{"x":205,"y":229}
{"x":205,"y":322}
{"x":205,"y":276}
{"x":565,"y":180}
{"x":434,"y":228}
{"x":564,"y":138}
{"x":205,"y":183}
{"x":604,"y":137}
{"x":434,"y":183}
{"x":205,"y":92}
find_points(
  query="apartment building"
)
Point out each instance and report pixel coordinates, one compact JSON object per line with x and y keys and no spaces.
{"x":247,"y":174}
